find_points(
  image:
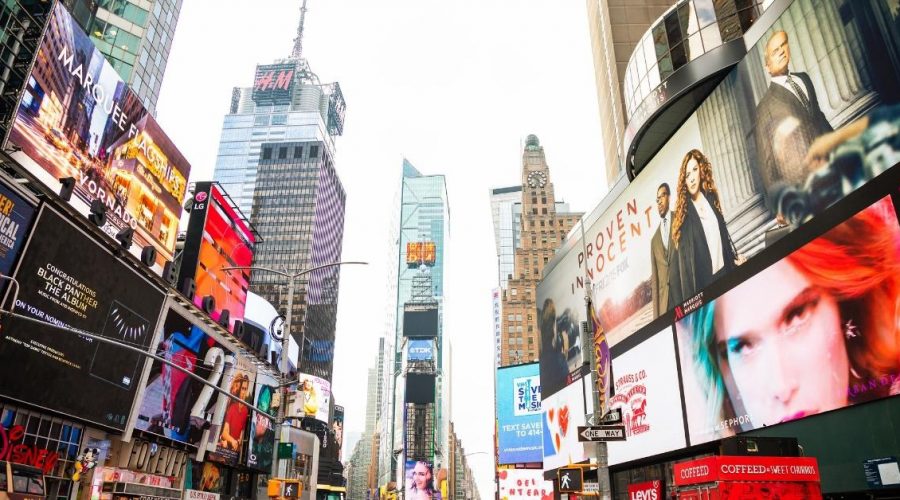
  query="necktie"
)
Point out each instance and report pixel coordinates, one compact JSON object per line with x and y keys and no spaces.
{"x":797,"y":90}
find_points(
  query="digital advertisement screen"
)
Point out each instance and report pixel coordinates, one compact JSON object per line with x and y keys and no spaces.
{"x":420,"y":388}
{"x":75,"y":283}
{"x":647,"y":392}
{"x":77,"y":119}
{"x":559,"y":318}
{"x":419,"y":253}
{"x":421,"y":350}
{"x":563,"y":412}
{"x":337,"y":427}
{"x":235,"y":428}
{"x":782,"y":142}
{"x":313,"y":398}
{"x":420,"y":480}
{"x":262,"y":429}
{"x":524,"y":484}
{"x":273,"y":83}
{"x":420,"y":320}
{"x":814,"y":332}
{"x":519,"y":414}
{"x":217,"y":237}
{"x":16,"y":215}
{"x":174,"y":404}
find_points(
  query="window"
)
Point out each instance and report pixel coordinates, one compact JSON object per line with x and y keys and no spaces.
{"x":298,"y":151}
{"x":514,"y":292}
{"x":518,"y":317}
{"x":261,"y":121}
{"x":267,"y":154}
{"x":314,"y":151}
{"x":279,"y":119}
{"x":282,"y":153}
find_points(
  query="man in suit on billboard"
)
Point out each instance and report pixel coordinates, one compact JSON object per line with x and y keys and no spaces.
{"x":659,"y":253}
{"x":788,"y":119}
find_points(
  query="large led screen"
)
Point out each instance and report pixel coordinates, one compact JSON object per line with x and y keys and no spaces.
{"x":218,"y":238}
{"x":524,"y":484}
{"x":814,"y":332}
{"x":66,"y":279}
{"x":313,"y":398}
{"x":16,"y":215}
{"x":420,"y":350}
{"x":420,"y":480}
{"x":808,"y":116}
{"x":262,"y":429}
{"x":563,"y":412}
{"x":420,"y":320}
{"x":77,"y":119}
{"x":647,"y":392}
{"x":175,"y":405}
{"x":234,"y":430}
{"x":519,"y":414}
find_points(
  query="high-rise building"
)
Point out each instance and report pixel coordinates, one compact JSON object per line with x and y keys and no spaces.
{"x":616,"y":26}
{"x":543,"y":229}
{"x":135,"y":36}
{"x":361,"y":459}
{"x":460,"y":480}
{"x":506,"y":210}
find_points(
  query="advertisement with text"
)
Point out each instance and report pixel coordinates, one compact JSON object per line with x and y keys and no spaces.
{"x":524,"y":484}
{"x":75,"y":283}
{"x":78,"y":120}
{"x":16,"y":215}
{"x":814,"y":332}
{"x":312,"y":398}
{"x":519,"y":414}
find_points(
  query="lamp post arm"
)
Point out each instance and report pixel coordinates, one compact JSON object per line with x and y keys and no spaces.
{"x":323,"y":266}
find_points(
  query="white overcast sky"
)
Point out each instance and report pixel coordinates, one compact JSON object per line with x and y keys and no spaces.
{"x":455,"y":87}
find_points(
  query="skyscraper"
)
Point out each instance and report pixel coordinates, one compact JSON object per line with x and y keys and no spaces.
{"x":506,"y":211}
{"x":362,"y":459}
{"x":135,"y":36}
{"x":543,"y":229}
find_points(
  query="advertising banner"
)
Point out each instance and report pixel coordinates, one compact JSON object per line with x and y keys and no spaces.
{"x":79,"y":120}
{"x":421,"y":350}
{"x":646,"y":390}
{"x":420,"y":320}
{"x":420,"y":480}
{"x":234,"y":430}
{"x":524,"y":484}
{"x":312,"y":398}
{"x":419,"y":253}
{"x":519,"y":414}
{"x":789,"y":132}
{"x":273,"y":83}
{"x":726,"y":468}
{"x":175,"y":405}
{"x":262,"y":429}
{"x":16,"y":215}
{"x":67,"y":280}
{"x":337,"y":426}
{"x":217,"y":237}
{"x":814,"y":332}
{"x":563,"y":413}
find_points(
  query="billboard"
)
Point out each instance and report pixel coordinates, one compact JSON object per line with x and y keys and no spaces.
{"x":273,"y":83}
{"x":261,"y":444}
{"x":524,"y":484}
{"x":16,"y":215}
{"x":175,"y":405}
{"x":813,"y":332}
{"x":563,"y":412}
{"x":647,"y":392}
{"x":337,"y":427}
{"x":519,"y":414}
{"x":312,"y":398}
{"x":420,"y":320}
{"x":419,"y":253}
{"x":66,"y":279}
{"x":420,"y":350}
{"x":218,"y":237}
{"x":77,"y":119}
{"x":234,"y":430}
{"x":420,"y":480}
{"x":755,"y":154}
{"x":559,"y":316}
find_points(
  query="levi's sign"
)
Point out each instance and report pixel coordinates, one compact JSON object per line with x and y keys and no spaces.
{"x":601,"y":433}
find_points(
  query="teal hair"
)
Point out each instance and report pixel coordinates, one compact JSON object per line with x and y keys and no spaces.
{"x":705,"y":356}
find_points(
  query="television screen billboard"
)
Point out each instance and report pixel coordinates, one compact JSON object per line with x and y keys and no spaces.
{"x":815,"y":331}
{"x":262,"y":429}
{"x":313,"y":398}
{"x":647,"y":393}
{"x":420,"y":480}
{"x":420,"y":350}
{"x":16,"y":215}
{"x":420,"y":320}
{"x":563,"y":412}
{"x":519,"y":414}
{"x":218,"y":237}
{"x":273,"y":83}
{"x":337,"y":427}
{"x":78,"y":119}
{"x":174,"y":405}
{"x":524,"y":484}
{"x":67,"y":279}
{"x":420,"y":388}
{"x":233,"y":432}
{"x":419,"y":253}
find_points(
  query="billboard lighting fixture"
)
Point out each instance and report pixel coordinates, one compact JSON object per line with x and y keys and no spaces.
{"x":125,"y":237}
{"x":148,"y":255}
{"x":98,"y":213}
{"x":66,"y":187}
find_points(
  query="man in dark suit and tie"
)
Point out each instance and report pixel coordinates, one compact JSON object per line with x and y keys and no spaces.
{"x":659,"y":253}
{"x":788,"y":119}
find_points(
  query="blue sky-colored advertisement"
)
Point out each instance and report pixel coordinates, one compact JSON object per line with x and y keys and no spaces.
{"x":421,"y":350}
{"x":519,"y":414}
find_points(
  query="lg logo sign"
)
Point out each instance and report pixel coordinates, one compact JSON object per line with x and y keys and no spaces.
{"x":651,"y":490}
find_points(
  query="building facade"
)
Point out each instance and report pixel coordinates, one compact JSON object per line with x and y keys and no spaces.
{"x":135,"y":36}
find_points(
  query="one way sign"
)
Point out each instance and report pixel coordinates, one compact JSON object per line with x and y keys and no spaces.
{"x":601,"y":433}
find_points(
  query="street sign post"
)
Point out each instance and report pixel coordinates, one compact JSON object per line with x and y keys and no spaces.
{"x":601,"y":433}
{"x":611,"y":417}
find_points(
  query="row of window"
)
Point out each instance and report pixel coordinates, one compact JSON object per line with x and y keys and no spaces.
{"x":282,"y":152}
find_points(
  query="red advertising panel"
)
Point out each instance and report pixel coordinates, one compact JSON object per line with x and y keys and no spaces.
{"x":726,"y":468}
{"x":78,"y":120}
{"x":218,"y":237}
{"x":650,"y":490}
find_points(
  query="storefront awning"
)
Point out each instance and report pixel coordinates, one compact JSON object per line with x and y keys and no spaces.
{"x":146,"y":492}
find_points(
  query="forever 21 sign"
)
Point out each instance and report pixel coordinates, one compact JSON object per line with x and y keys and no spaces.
{"x":138,"y":456}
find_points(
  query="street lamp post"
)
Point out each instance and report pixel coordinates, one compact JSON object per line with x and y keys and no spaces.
{"x":291,"y":278}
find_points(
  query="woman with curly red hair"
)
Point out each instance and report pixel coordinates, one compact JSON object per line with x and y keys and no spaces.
{"x":702,"y":246}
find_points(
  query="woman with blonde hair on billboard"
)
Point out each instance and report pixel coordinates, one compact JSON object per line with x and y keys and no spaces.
{"x":816,"y":331}
{"x":703,"y":249}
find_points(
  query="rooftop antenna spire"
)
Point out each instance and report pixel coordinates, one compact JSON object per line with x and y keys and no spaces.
{"x":297,"y":53}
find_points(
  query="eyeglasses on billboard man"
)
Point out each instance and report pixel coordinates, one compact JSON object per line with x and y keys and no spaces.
{"x":814,"y":332}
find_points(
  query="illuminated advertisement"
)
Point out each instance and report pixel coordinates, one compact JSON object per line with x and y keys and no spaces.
{"x":563,"y":412}
{"x":420,"y":480}
{"x":235,"y":428}
{"x":16,"y":215}
{"x":524,"y":484}
{"x":784,"y":137}
{"x":175,"y":405}
{"x":262,"y":429}
{"x":419,"y":253}
{"x":647,"y":393}
{"x":78,"y":120}
{"x":559,"y":316}
{"x":337,"y":427}
{"x":217,"y":237}
{"x":312,"y":398}
{"x":75,"y":283}
{"x":814,"y":332}
{"x":420,"y":320}
{"x":519,"y":414}
{"x":273,"y":83}
{"x":421,"y":350}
